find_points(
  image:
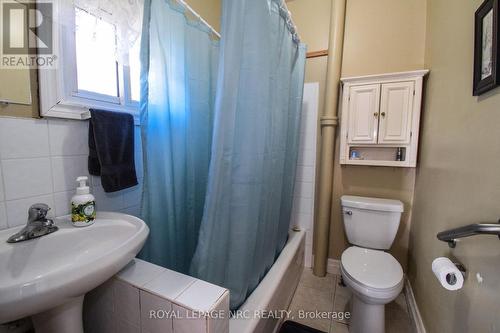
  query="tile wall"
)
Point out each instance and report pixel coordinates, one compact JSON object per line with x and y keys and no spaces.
{"x":303,"y":205}
{"x":39,"y":162}
{"x":146,"y":298}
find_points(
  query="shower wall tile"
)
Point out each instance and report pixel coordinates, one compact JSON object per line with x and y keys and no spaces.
{"x":154,"y":314}
{"x":2,"y":195}
{"x":139,"y":272}
{"x":3,"y":216}
{"x":200,"y":295}
{"x":169,"y":284}
{"x":125,"y":303}
{"x":303,"y":198}
{"x":39,"y":162}
{"x":188,"y":321}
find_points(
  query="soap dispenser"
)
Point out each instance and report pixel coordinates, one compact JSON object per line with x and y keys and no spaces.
{"x":83,"y":205}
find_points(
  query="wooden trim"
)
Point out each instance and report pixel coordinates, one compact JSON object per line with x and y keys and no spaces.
{"x":316,"y":54}
{"x":415,"y":317}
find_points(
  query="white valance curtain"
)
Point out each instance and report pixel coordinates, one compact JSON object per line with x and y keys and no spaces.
{"x":125,"y":15}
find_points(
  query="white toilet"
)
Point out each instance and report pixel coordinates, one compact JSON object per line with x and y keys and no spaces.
{"x":374,"y":276}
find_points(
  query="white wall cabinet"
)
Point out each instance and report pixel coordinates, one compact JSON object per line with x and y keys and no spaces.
{"x":363,"y":108}
{"x":380,"y":115}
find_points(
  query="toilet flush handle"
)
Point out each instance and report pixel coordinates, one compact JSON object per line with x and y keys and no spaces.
{"x":348,"y":212}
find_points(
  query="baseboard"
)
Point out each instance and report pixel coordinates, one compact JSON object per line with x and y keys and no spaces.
{"x":415,"y":316}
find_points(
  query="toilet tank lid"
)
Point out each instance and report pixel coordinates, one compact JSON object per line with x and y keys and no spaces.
{"x":387,"y":205}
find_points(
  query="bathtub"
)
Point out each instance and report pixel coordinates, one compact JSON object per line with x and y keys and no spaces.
{"x":275,"y":291}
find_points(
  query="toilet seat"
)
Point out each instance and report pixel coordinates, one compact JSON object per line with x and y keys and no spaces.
{"x":372,"y":270}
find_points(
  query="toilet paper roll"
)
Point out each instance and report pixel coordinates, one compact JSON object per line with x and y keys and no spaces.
{"x":447,"y":273}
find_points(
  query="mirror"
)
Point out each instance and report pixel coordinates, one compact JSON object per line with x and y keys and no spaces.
{"x":15,"y":86}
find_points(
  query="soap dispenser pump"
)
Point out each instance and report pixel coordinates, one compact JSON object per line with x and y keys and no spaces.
{"x":83,"y":205}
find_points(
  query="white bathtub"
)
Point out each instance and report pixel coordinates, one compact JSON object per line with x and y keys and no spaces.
{"x":275,"y":291}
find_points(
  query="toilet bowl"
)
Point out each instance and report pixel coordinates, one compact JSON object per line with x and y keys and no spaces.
{"x":375,"y":277}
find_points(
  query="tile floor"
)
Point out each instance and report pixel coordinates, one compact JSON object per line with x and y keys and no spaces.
{"x":326,"y":294}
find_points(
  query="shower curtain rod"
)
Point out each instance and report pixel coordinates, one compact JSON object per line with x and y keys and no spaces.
{"x":198,"y":16}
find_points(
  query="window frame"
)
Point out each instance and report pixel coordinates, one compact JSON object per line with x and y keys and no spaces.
{"x":58,"y":88}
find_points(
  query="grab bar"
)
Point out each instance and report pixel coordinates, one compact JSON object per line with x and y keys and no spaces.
{"x":451,"y":235}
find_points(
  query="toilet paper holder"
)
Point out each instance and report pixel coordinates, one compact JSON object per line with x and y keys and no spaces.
{"x":451,"y":278}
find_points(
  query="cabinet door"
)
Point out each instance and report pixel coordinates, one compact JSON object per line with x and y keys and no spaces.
{"x":396,"y":104}
{"x":363,"y":114}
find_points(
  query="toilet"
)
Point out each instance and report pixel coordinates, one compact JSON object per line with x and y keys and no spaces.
{"x":373,"y":275}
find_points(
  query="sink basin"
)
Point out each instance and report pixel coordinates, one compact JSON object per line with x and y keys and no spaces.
{"x":47,"y":277}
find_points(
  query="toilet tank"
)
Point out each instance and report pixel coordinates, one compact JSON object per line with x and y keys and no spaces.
{"x":371,"y":222}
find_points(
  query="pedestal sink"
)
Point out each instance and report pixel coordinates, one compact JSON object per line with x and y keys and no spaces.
{"x":47,"y":277}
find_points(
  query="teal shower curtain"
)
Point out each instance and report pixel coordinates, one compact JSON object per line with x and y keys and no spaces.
{"x":254,"y":151}
{"x":179,"y":65}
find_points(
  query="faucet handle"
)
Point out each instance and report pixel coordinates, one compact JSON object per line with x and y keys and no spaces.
{"x":38,"y":212}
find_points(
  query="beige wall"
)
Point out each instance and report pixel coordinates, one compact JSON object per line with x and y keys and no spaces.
{"x":380,"y":36}
{"x":209,"y":10}
{"x":458,"y":178}
{"x":383,"y":36}
{"x":312,"y":18}
{"x":376,"y":41}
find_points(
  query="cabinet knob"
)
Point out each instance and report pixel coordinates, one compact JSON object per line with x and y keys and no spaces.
{"x":383,"y":114}
{"x":375,"y":114}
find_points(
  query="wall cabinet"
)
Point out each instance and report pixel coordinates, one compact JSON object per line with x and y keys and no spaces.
{"x":380,"y":118}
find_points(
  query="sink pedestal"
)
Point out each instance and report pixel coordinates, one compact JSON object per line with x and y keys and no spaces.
{"x":65,"y":318}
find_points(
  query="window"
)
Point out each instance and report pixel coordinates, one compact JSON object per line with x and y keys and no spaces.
{"x":135,"y":71}
{"x":96,"y":63}
{"x":98,"y":54}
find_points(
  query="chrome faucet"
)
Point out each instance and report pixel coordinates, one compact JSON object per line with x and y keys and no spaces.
{"x":38,"y":224}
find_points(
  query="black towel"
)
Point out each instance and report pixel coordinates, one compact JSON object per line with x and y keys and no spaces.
{"x":111,"y":149}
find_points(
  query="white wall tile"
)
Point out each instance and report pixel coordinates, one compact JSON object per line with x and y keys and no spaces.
{"x":66,"y":169}
{"x":17,"y":210}
{"x":201,"y":296}
{"x":169,"y":284}
{"x":303,"y":205}
{"x":2,"y":195}
{"x":134,"y":211}
{"x":132,"y":196}
{"x":27,"y":177}
{"x":3,"y":216}
{"x":62,"y":202}
{"x":23,"y":138}
{"x":96,"y":321}
{"x":126,"y":302}
{"x":305,"y":173}
{"x":220,"y":324}
{"x":68,"y":137}
{"x":138,"y":153}
{"x":304,"y":221}
{"x":155,"y":314}
{"x":306,"y":157}
{"x":123,"y":326}
{"x":139,"y":272}
{"x":304,"y":189}
{"x":100,"y":298}
{"x":107,"y":201}
{"x":186,"y":321}
{"x":27,"y":173}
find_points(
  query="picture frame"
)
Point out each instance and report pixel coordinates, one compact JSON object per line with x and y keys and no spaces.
{"x":486,"y":55}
